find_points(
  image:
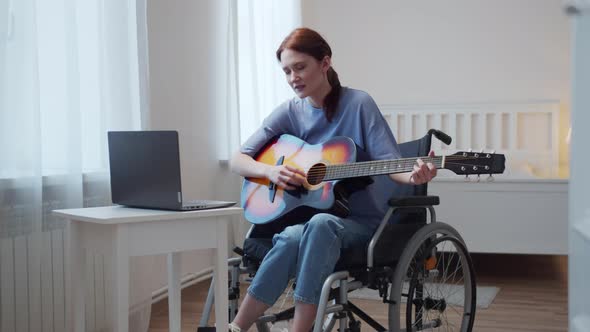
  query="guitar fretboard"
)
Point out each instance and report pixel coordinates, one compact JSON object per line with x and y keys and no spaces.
{"x":377,"y":167}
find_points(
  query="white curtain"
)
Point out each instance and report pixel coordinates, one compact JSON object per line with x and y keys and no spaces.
{"x":69,"y":72}
{"x":262,"y":26}
{"x":249,"y":76}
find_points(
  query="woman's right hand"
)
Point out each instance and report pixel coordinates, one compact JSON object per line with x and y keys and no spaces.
{"x":286,"y":176}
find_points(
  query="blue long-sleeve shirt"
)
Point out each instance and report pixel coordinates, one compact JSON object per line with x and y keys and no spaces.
{"x":357,"y":117}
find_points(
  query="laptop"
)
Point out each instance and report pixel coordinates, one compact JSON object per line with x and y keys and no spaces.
{"x":145,"y":172}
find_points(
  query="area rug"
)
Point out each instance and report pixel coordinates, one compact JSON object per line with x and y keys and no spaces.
{"x":485,"y":297}
{"x":485,"y":294}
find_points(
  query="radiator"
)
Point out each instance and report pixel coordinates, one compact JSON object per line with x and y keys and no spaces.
{"x":33,"y":258}
{"x":33,"y":283}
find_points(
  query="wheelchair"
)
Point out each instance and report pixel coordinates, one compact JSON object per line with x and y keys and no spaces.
{"x":419,"y":266}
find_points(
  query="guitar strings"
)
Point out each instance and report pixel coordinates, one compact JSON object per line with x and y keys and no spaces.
{"x":333,"y":174}
{"x":406,"y":161}
{"x":403,"y":164}
{"x":401,"y":161}
{"x":401,"y":168}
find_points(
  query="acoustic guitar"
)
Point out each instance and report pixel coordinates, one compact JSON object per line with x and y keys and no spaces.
{"x":333,"y":172}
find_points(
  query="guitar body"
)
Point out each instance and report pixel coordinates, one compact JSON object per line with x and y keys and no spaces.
{"x":262,"y":206}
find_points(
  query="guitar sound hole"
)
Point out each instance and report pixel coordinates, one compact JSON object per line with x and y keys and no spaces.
{"x":316,"y":174}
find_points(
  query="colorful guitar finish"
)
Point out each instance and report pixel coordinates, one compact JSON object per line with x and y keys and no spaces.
{"x":326,"y":166}
{"x":257,"y":194}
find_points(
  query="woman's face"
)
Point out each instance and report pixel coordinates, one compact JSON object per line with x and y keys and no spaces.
{"x":305,"y":75}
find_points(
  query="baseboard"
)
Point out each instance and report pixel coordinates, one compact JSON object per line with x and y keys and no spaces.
{"x":186,"y":281}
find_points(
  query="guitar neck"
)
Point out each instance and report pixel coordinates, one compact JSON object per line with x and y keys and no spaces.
{"x":378,"y":167}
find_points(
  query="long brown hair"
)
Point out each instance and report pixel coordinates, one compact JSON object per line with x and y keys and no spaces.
{"x":308,"y":41}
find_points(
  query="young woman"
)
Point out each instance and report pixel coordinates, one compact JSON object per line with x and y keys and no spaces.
{"x":322,"y":109}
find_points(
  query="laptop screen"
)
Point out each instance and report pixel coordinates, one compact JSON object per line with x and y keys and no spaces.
{"x":145,"y":168}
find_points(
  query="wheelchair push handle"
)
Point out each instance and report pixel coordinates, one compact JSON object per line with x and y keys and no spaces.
{"x":441,"y":136}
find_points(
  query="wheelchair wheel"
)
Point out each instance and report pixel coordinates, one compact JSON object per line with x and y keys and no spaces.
{"x":433,"y":288}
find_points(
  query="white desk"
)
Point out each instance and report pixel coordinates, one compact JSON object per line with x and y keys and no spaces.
{"x":120,"y":233}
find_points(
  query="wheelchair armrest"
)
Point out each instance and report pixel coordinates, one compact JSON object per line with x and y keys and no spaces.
{"x":414,"y":201}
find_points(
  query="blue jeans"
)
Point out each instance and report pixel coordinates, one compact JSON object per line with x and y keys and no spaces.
{"x":307,"y":252}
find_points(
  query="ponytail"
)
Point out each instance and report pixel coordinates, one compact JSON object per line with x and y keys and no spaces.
{"x":333,"y":97}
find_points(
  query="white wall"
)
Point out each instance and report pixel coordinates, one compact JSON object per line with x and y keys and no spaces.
{"x":181,"y":39}
{"x":456,"y":51}
{"x":186,"y":44}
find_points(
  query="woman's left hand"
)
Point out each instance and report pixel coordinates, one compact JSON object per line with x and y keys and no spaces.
{"x":423,"y":172}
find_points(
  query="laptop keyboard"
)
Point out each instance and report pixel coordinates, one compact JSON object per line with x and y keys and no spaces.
{"x":200,"y":202}
{"x":204,"y":203}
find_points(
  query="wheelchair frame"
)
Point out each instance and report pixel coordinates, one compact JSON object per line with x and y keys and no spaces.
{"x":343,"y":309}
{"x":387,"y":279}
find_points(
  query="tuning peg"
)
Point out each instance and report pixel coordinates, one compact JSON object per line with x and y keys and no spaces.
{"x":481,"y":151}
{"x":493,"y":151}
{"x":467,"y":178}
{"x":477,"y":178}
{"x":470,"y":150}
{"x":490,"y":178}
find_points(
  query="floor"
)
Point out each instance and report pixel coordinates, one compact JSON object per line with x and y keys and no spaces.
{"x":532,"y":297}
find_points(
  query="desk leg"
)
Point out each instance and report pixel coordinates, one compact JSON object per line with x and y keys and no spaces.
{"x":76,"y":277}
{"x":121,"y":279}
{"x":174,"y":291}
{"x":220,"y":275}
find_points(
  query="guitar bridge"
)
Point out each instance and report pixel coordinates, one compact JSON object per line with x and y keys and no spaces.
{"x":272,"y":188}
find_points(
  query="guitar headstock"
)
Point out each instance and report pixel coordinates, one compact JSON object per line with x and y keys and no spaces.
{"x":466,"y":163}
